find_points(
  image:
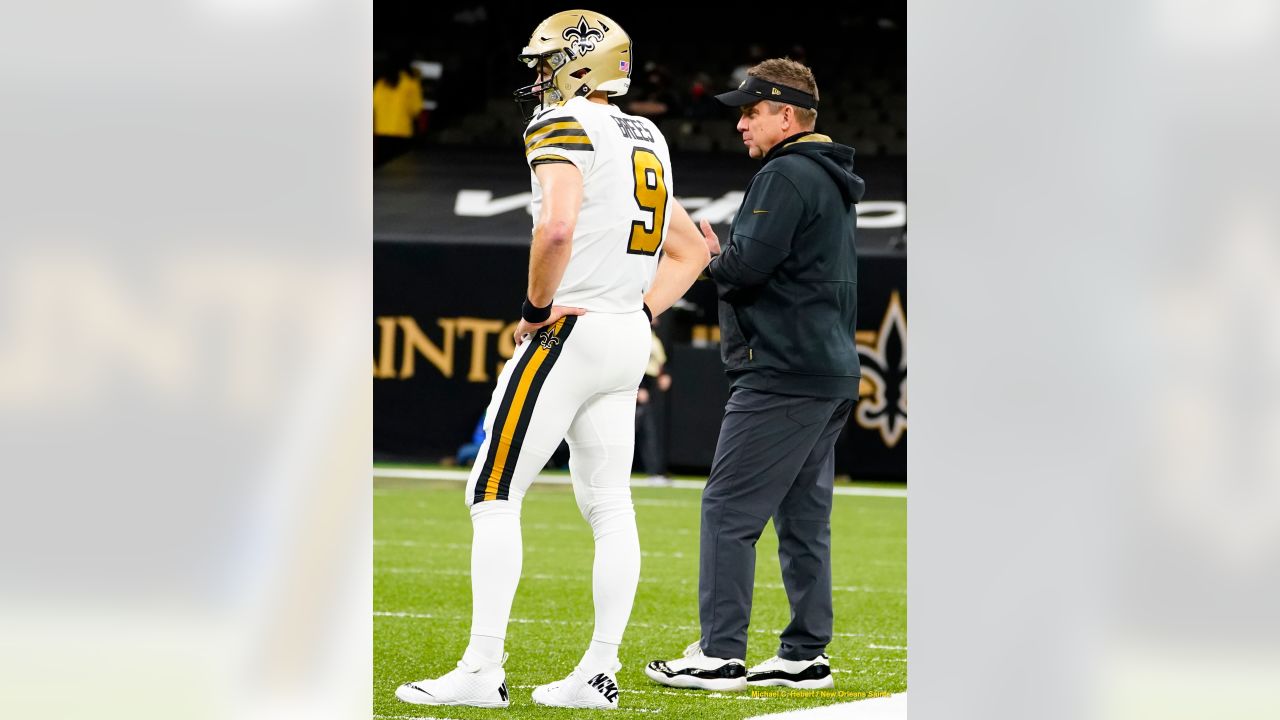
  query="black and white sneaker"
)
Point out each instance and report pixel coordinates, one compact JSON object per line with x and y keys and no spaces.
{"x":696,"y":670}
{"x":812,"y":674}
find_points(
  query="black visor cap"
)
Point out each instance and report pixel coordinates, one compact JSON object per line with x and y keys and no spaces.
{"x":754,"y":89}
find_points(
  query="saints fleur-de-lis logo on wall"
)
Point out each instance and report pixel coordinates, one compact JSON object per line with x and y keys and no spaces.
{"x":583,"y":37}
{"x":883,"y":405}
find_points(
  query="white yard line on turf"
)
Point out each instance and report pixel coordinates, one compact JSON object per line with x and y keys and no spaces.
{"x":893,"y":707}
{"x":652,"y":626}
{"x":547,"y":478}
{"x":678,"y":555}
{"x":580,"y":578}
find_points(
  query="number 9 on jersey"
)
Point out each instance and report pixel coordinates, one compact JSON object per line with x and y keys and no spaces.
{"x":651,"y":197}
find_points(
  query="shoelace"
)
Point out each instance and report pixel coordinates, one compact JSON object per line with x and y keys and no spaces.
{"x":769,"y":664}
{"x":694,"y":649}
{"x":577,"y":673}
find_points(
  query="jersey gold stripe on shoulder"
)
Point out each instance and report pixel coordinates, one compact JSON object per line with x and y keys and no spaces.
{"x":578,"y":140}
{"x":534,"y":136}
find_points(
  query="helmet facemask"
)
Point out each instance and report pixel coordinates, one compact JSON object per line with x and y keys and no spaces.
{"x":543,"y":94}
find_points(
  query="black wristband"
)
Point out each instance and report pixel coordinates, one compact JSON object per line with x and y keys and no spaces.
{"x":647,"y":312}
{"x":534,"y":314}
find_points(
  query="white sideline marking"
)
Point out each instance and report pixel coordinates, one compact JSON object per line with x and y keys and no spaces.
{"x":893,"y":707}
{"x":648,"y":502}
{"x":549,"y":479}
{"x":888,"y":647}
{"x":423,"y":616}
{"x":679,"y":555}
{"x":586,"y":578}
{"x":652,"y":626}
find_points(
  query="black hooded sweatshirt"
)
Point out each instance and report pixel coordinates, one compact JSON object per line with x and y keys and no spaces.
{"x":787,"y":276}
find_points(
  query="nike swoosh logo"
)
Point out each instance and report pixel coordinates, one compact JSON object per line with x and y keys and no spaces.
{"x":758,"y":212}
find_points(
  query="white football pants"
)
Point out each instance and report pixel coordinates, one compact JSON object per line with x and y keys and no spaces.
{"x":575,"y":380}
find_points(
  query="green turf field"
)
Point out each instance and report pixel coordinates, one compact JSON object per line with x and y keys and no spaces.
{"x":422,"y":601}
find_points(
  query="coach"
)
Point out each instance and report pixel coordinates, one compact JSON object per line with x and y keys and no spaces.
{"x":788,"y":303}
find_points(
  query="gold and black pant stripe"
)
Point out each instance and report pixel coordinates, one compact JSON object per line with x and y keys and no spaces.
{"x":512,"y":420}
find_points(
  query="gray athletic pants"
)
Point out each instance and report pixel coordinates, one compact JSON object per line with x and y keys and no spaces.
{"x":775,"y":459}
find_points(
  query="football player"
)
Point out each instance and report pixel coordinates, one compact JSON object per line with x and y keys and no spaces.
{"x":604,"y":216}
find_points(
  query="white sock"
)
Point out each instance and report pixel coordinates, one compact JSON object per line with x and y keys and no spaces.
{"x":496,"y":556}
{"x":601,"y":656}
{"x":615,"y":574}
{"x":483,"y":651}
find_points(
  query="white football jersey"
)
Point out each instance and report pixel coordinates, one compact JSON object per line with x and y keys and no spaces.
{"x":627,"y":193}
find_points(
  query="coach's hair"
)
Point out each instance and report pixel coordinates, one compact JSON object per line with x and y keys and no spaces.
{"x":786,"y":71}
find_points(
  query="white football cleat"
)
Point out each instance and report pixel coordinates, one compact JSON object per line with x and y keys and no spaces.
{"x":474,"y":685}
{"x":698,"y":671}
{"x":598,"y":691}
{"x":812,"y":674}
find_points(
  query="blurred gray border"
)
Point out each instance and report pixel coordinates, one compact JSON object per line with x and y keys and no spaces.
{"x":1094,"y":512}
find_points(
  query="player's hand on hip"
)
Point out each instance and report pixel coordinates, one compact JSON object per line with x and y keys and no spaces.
{"x":709,"y":236}
{"x":524,"y":328}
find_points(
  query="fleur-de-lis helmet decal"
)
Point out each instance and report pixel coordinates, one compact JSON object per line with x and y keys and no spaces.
{"x":582,"y":38}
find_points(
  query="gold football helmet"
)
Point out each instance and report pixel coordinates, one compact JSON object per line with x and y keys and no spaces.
{"x":581,"y":52}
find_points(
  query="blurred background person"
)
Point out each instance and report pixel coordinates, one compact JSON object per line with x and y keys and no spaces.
{"x":654,"y":98}
{"x":755,"y":55}
{"x":701,"y":105}
{"x":651,"y":441}
{"x":397,"y":100}
{"x":467,"y":453}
